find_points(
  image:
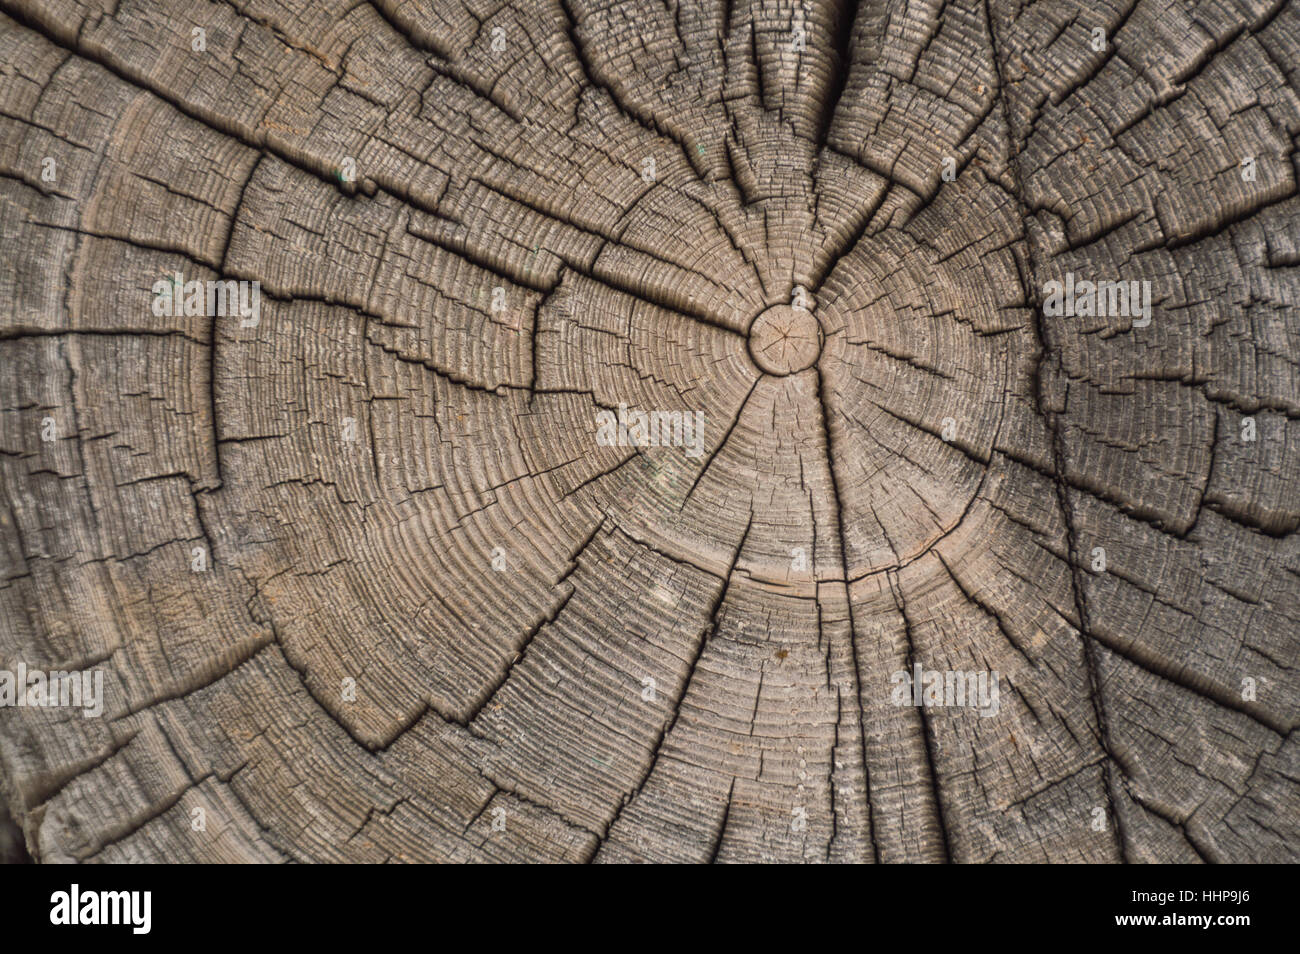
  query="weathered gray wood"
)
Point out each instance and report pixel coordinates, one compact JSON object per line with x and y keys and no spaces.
{"x":477,"y":229}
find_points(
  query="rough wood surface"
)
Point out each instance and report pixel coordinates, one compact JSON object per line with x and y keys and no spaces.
{"x":437,"y":618}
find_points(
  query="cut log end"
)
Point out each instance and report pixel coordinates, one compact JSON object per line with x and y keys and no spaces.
{"x":650,"y":432}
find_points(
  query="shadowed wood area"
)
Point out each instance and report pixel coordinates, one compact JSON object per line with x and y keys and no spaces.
{"x":628,"y":403}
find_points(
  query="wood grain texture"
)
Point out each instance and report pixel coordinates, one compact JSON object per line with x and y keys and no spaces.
{"x":442,"y":619}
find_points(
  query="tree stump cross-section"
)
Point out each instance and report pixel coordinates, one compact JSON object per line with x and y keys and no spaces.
{"x":793,"y":430}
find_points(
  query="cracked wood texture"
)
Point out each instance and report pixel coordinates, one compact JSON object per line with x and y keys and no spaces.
{"x":440,"y":619}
